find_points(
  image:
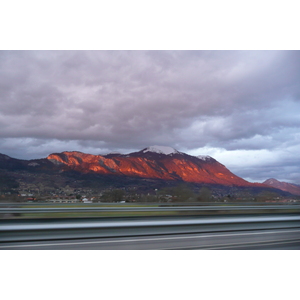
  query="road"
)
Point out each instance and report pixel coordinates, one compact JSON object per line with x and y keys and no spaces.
{"x":240,"y":240}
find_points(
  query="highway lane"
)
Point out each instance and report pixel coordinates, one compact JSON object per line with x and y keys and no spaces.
{"x":240,"y":240}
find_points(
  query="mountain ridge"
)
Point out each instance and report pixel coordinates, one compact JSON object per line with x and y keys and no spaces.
{"x":142,"y":171}
{"x":284,"y":186}
{"x":152,"y":163}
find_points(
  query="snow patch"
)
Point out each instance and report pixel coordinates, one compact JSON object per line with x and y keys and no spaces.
{"x":161,"y":150}
{"x":204,"y":157}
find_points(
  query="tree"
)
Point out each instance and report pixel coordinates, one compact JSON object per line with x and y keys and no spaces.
{"x":117,"y":195}
{"x":181,"y":193}
{"x":266,"y":195}
{"x":204,"y":195}
{"x":114,"y":195}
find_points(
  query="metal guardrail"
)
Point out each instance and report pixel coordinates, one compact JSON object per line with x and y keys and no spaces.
{"x":59,"y":230}
{"x":146,"y":223}
{"x":11,"y":210}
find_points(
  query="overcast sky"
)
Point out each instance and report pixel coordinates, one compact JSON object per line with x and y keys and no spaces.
{"x":240,"y":107}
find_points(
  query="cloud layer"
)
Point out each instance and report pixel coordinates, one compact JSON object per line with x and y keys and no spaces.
{"x":241,"y":107}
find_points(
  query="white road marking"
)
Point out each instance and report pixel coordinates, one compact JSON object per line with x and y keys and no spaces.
{"x":274,"y":242}
{"x":147,"y":239}
{"x":223,"y":246}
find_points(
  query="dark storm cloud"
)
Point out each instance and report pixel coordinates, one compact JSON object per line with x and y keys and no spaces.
{"x":97,"y":101}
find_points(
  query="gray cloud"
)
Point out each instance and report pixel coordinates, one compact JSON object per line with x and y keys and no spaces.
{"x":99,"y":101}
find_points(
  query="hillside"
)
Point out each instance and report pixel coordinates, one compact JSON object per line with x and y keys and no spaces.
{"x":144,"y":171}
{"x":152,"y":163}
{"x":284,"y":186}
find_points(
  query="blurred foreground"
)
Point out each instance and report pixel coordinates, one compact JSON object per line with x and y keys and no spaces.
{"x":151,"y":226}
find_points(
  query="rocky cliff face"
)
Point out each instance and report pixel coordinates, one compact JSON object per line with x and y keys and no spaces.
{"x":153,"y":163}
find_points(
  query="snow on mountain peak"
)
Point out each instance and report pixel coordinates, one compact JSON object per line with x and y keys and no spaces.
{"x":204,"y":157}
{"x":161,"y":150}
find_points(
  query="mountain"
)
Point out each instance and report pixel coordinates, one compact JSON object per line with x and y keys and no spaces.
{"x":284,"y":186}
{"x":143,"y":172}
{"x":9,"y":163}
{"x":155,"y":162}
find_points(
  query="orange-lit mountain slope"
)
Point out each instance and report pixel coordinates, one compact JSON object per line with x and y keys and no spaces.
{"x":154,"y":162}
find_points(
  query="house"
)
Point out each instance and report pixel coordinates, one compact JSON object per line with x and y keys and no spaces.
{"x":86,"y":200}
